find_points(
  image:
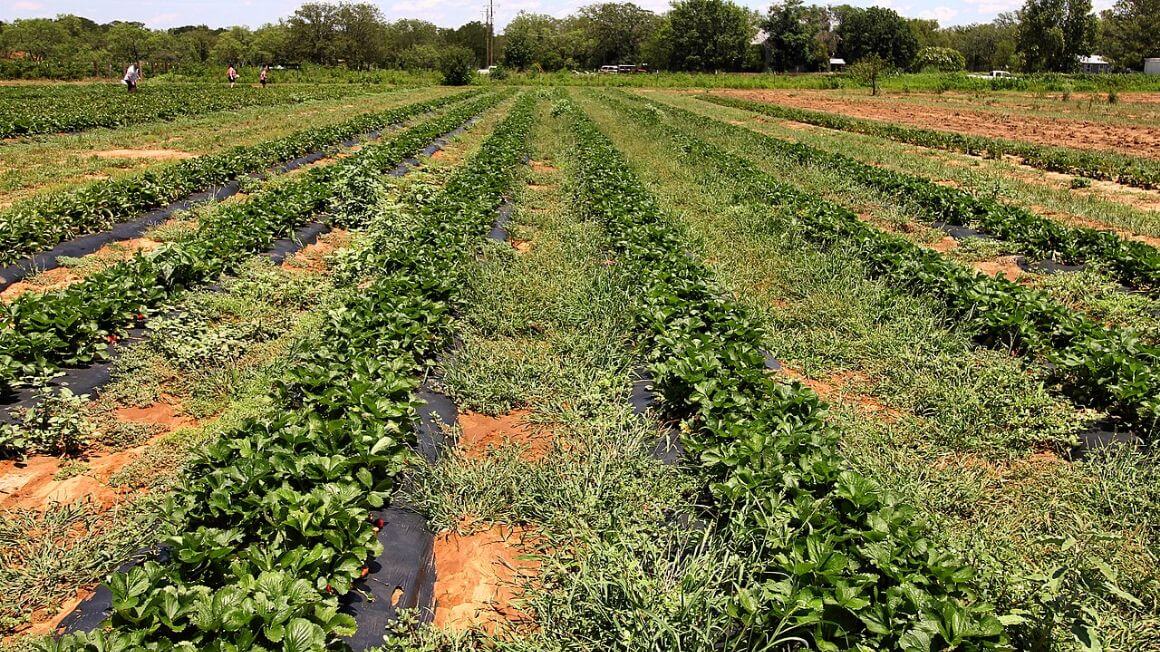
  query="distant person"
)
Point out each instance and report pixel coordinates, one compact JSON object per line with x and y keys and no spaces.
{"x":132,"y":74}
{"x":262,"y":76}
{"x":232,"y":75}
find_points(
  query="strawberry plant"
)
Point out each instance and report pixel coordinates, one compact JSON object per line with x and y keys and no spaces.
{"x":1129,"y":170}
{"x":838,"y":562}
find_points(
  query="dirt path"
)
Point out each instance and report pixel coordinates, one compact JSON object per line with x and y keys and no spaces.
{"x":1081,"y":134}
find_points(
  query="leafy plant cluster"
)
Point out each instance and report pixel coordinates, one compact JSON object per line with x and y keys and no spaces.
{"x":56,"y":425}
{"x":74,"y":326}
{"x":51,"y":109}
{"x":836,"y":562}
{"x":1111,"y":369}
{"x":42,"y":222}
{"x":1128,"y":170}
{"x":274,"y":519}
{"x":1135,"y":264}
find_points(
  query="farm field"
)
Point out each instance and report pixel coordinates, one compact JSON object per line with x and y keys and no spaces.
{"x":549,"y":368}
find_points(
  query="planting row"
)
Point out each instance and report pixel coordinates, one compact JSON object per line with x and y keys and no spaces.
{"x":28,"y":110}
{"x":42,"y":222}
{"x":73,"y":326}
{"x":1134,"y":263}
{"x":1132,"y":171}
{"x":274,"y":518}
{"x":1108,"y":369}
{"x":836,"y":562}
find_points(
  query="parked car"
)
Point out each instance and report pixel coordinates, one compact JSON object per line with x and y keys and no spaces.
{"x":995,"y":74}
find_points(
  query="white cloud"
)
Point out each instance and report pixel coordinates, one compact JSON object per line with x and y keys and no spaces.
{"x":25,"y":5}
{"x":941,"y":14}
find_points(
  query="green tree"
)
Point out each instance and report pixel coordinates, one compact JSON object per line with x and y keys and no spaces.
{"x":609,"y":33}
{"x":270,"y":44}
{"x":940,"y":59}
{"x":472,"y":36}
{"x":40,"y":39}
{"x":869,"y":70}
{"x":312,"y":29}
{"x":927,"y":33}
{"x":532,"y":39}
{"x":360,"y":38}
{"x":457,"y":64}
{"x":1131,"y":32}
{"x":127,"y":42}
{"x":1054,"y":34}
{"x":709,"y":35}
{"x":875,"y":31}
{"x":793,"y":30}
{"x":229,"y":50}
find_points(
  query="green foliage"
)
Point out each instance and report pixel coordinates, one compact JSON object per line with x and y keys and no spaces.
{"x":1128,"y":32}
{"x":834,"y":555}
{"x":75,"y":325}
{"x":940,"y":59}
{"x":273,"y":520}
{"x":457,"y":65}
{"x":1133,"y":263}
{"x":797,"y":36}
{"x":875,"y":31}
{"x":41,"y":222}
{"x":1053,"y":34}
{"x":57,"y":425}
{"x":708,"y":35}
{"x":869,"y":70}
{"x":1132,"y":171}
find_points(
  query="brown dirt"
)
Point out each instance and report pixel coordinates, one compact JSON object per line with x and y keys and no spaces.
{"x":842,"y":387}
{"x":31,"y":484}
{"x":477,"y":576}
{"x":46,"y":281}
{"x":1135,"y":140}
{"x":480,"y":433}
{"x":312,"y":257}
{"x":155,"y":154}
{"x":1004,"y":266}
{"x":540,"y":166}
{"x":522,"y":246}
{"x":946,"y":244}
{"x":46,"y":621}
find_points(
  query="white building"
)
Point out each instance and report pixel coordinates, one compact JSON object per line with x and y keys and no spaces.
{"x":1094,"y":64}
{"x":1152,"y":66}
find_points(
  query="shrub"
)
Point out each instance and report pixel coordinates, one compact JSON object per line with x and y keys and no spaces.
{"x":499,"y":73}
{"x":869,"y":70}
{"x":457,"y":64}
{"x":940,"y":59}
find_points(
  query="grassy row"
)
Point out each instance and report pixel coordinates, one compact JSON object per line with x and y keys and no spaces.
{"x":69,"y":327}
{"x":26,"y":110}
{"x":1110,"y":369}
{"x":1132,"y":171}
{"x":42,"y":222}
{"x":1134,"y":263}
{"x":274,"y":518}
{"x":841,"y":564}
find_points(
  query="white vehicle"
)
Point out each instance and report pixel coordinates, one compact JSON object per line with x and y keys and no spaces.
{"x":995,"y":74}
{"x":609,"y":70}
{"x":486,"y":71}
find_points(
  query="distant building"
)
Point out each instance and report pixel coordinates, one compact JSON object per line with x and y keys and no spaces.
{"x":1094,"y":65}
{"x":837,"y":65}
{"x":1152,"y":66}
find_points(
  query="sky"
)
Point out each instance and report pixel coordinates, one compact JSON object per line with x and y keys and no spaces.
{"x":445,"y":13}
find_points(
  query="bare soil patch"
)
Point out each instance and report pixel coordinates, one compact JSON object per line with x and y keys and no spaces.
{"x":1005,"y":266}
{"x":477,"y":578}
{"x":1135,"y":141}
{"x":540,"y":166}
{"x":154,"y":154}
{"x":480,"y":433}
{"x":844,"y":386}
{"x":522,"y":246}
{"x":312,"y":258}
{"x":33,"y":483}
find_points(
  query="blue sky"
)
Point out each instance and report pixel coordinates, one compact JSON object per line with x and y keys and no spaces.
{"x":447,"y":13}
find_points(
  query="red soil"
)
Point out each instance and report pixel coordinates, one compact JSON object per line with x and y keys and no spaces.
{"x":1132,"y":140}
{"x":479,"y":433}
{"x":477,"y":576}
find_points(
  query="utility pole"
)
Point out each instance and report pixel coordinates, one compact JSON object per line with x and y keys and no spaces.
{"x":489,"y":12}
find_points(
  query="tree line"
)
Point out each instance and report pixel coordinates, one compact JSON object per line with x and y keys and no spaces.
{"x":693,"y":35}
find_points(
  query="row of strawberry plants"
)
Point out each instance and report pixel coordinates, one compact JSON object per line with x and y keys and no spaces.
{"x":1128,"y":170}
{"x":72,"y":326}
{"x":274,"y":519}
{"x":42,"y":222}
{"x":836,"y":562}
{"x":1108,"y":369}
{"x":57,"y":108}
{"x":1134,"y":263}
